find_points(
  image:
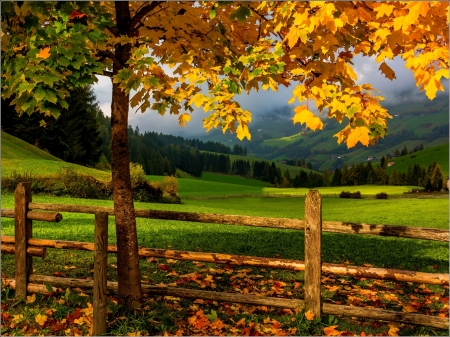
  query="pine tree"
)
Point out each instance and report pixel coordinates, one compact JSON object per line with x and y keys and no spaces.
{"x":337,"y":177}
{"x":437,"y":178}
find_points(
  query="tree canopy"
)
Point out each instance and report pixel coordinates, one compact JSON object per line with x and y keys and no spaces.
{"x":228,"y":48}
{"x":171,"y":56}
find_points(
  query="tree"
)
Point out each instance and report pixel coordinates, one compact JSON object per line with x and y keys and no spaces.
{"x":74,"y":136}
{"x":224,"y":48}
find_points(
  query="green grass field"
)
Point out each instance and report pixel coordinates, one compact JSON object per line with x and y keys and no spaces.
{"x":15,"y":148}
{"x":255,"y":241}
{"x":283,"y":141}
{"x":439,"y":153}
{"x":232,"y":179}
{"x":23,"y":158}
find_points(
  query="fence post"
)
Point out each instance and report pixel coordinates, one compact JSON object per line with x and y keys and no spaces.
{"x":100,"y":265}
{"x":313,"y":259}
{"x":22,"y":232}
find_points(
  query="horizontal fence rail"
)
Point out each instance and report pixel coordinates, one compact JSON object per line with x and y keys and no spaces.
{"x":242,"y":260}
{"x":327,"y":308}
{"x":296,"y":224}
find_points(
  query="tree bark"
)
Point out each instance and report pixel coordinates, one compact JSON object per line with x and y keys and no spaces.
{"x":128,"y":273}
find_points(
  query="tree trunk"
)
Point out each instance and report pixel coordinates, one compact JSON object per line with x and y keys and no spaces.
{"x":129,"y":276}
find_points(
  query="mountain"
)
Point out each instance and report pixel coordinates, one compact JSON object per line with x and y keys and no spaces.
{"x":412,"y":125}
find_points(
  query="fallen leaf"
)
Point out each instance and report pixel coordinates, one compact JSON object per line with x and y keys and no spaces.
{"x":163,"y":267}
{"x":31,"y":298}
{"x":393,"y":329}
{"x":309,"y":315}
{"x":40,"y":319}
{"x":331,"y":331}
{"x":333,"y":288}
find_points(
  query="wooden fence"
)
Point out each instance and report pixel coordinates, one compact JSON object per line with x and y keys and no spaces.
{"x":24,"y":246}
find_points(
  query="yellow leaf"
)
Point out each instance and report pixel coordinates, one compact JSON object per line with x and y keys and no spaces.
{"x":242,"y":131}
{"x":309,"y":315}
{"x":358,"y":134}
{"x":17,"y":318}
{"x":440,"y":73}
{"x":384,"y":9}
{"x":198,"y":100}
{"x":183,"y":119}
{"x":332,"y":288}
{"x":40,"y":319}
{"x":44,"y":53}
{"x":393,"y":329}
{"x":303,"y":115}
{"x":31,"y":299}
{"x":387,"y":71}
{"x":432,"y":87}
{"x":351,"y":72}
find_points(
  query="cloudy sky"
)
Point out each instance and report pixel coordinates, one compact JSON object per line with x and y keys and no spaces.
{"x":399,"y":91}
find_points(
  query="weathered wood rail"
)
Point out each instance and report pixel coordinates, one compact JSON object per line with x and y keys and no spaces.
{"x":242,"y":220}
{"x":24,"y":247}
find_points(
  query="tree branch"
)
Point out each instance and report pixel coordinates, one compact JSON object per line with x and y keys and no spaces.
{"x":142,"y":12}
{"x":113,"y":31}
{"x":107,"y":54}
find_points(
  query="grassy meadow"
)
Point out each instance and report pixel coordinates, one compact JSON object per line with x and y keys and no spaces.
{"x":439,"y":153}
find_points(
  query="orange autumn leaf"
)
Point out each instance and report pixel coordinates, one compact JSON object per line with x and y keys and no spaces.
{"x":331,"y":331}
{"x":358,"y":134}
{"x":76,"y":15}
{"x":44,"y":53}
{"x":309,"y":315}
{"x":387,"y":71}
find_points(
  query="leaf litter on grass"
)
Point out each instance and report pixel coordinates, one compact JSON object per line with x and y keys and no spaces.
{"x":169,"y":315}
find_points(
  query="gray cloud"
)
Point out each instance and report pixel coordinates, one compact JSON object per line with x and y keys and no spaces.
{"x":263,"y":103}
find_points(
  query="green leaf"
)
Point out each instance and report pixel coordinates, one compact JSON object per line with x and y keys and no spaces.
{"x":212,"y":13}
{"x":160,"y":107}
{"x":63,"y":104}
{"x":49,"y":288}
{"x":241,"y":14}
{"x":60,"y":26}
{"x":25,"y":86}
{"x":78,"y":61}
{"x":255,"y":73}
{"x":49,"y":79}
{"x":51,"y":96}
{"x":213,"y":316}
{"x":28,"y":104}
{"x":151,"y":81}
{"x":69,"y":52}
{"x":95,"y":35}
{"x":122,"y":75}
{"x":63,"y":61}
{"x":39,"y":94}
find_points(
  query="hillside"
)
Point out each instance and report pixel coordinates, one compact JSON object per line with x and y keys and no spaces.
{"x":23,"y":158}
{"x":439,"y":153}
{"x":15,"y":148}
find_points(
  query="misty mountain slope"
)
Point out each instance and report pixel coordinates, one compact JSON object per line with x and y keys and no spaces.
{"x":413,"y":124}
